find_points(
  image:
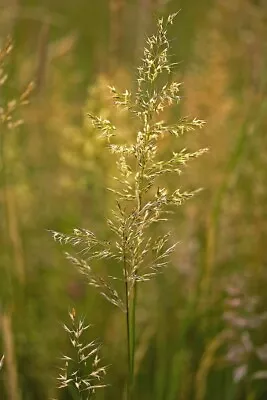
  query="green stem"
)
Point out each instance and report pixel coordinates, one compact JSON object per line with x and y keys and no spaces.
{"x":128,"y":328}
{"x":135,"y":284}
{"x":133,"y":323}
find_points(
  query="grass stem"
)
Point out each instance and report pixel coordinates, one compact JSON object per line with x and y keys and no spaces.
{"x":128,"y":328}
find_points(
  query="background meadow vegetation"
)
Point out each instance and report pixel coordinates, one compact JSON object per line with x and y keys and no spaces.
{"x":203,"y":323}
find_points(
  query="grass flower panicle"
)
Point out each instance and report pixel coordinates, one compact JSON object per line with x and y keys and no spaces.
{"x":82,"y":373}
{"x":140,"y":199}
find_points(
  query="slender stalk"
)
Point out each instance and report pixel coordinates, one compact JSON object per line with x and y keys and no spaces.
{"x":135,"y":285}
{"x":133,"y":319}
{"x":42,"y":58}
{"x":12,"y":385}
{"x":133,"y":323}
{"x":128,"y":323}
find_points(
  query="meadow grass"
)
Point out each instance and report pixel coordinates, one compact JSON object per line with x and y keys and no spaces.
{"x":200,"y":327}
{"x":141,"y":200}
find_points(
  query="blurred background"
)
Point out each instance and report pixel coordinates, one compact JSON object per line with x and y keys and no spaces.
{"x":202,"y":326}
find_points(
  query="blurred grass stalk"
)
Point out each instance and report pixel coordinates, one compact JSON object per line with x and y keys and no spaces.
{"x":9,"y":122}
{"x":12,"y":385}
{"x":10,"y":367}
{"x":5,"y":318}
{"x":11,"y":226}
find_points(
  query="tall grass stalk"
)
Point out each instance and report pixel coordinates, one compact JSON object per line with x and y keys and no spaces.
{"x":12,"y":386}
{"x":141,"y":198}
{"x":9,"y":121}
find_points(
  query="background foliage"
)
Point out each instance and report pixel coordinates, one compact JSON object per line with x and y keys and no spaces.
{"x":203,"y":324}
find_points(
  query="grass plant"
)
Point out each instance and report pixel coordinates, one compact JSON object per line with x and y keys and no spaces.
{"x":10,"y":120}
{"x":198,"y":330}
{"x":81,"y":374}
{"x":141,"y":198}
